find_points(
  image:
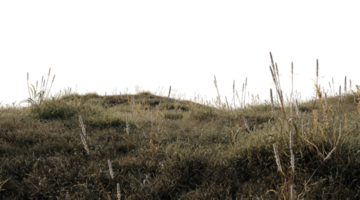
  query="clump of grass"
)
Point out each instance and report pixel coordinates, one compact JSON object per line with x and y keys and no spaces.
{"x":181,"y":149}
{"x":84,"y":141}
{"x":276,"y":80}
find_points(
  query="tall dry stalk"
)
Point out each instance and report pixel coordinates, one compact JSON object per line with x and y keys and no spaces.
{"x":83,"y":137}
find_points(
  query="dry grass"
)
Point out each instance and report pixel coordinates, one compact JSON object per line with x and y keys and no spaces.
{"x":147,"y":146}
{"x":291,"y":195}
